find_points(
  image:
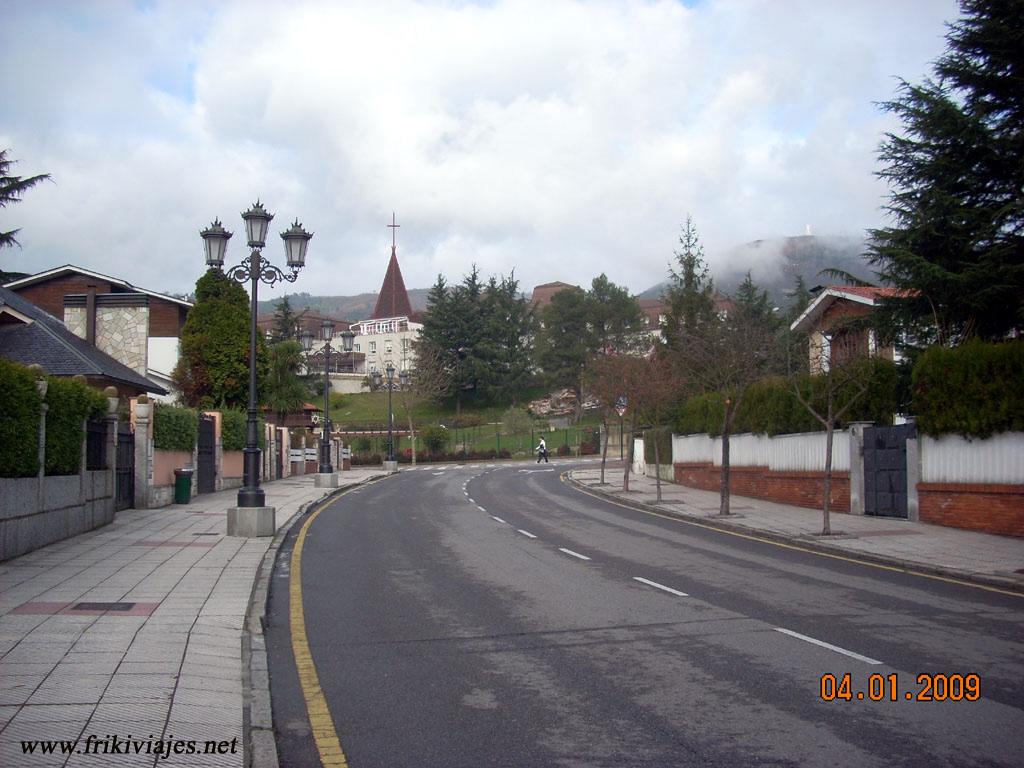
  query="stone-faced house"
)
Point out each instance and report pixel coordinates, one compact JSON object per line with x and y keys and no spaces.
{"x":831,"y":323}
{"x":28,"y":335}
{"x":138,"y":327}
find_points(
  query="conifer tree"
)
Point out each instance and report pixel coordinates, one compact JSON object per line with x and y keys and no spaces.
{"x":957,"y":185}
{"x":11,"y":190}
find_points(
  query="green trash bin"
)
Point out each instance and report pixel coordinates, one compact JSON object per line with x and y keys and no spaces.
{"x":182,"y":486}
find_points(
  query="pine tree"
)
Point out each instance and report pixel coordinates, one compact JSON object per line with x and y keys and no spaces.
{"x":505,"y":340}
{"x":690,"y":293}
{"x":11,"y":190}
{"x":284,"y":321}
{"x":957,"y":185}
{"x":213,"y":369}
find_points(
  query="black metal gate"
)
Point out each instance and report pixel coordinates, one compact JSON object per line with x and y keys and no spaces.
{"x":206,"y":462}
{"x":885,"y":470}
{"x":124,"y":493}
{"x":279,"y":445}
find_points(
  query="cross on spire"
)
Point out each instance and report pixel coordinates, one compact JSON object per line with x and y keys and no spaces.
{"x":392,"y":226}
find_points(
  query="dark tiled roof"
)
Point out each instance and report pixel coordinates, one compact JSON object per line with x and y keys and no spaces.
{"x":392,"y":301}
{"x":48,"y":342}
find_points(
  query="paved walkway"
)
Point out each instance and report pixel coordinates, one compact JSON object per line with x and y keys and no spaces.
{"x":166,"y":664}
{"x":977,"y":557}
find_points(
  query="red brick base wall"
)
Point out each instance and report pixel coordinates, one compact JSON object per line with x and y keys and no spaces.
{"x":986,"y":508}
{"x":802,"y":489}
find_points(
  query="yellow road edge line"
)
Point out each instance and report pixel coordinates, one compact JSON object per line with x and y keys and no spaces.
{"x":796,"y":547}
{"x":325,"y":735}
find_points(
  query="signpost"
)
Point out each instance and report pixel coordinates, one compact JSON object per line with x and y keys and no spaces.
{"x":620,"y":408}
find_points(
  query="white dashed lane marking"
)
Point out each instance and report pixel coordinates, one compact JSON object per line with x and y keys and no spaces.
{"x":662,"y":587}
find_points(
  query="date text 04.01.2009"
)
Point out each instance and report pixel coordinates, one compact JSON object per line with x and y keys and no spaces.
{"x":927,"y":687}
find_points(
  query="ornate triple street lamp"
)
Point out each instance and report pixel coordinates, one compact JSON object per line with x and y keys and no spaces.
{"x":403,"y":379}
{"x":254,"y":270}
{"x":326,"y":334}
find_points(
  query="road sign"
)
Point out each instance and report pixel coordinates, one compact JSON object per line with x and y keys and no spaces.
{"x":620,"y":405}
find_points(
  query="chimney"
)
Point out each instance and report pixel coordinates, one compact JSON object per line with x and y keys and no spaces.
{"x":90,"y":314}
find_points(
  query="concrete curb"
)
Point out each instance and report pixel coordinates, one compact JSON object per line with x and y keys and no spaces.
{"x":806,"y":542}
{"x":257,"y":713}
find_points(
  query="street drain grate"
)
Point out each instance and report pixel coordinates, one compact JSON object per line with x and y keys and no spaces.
{"x":212,"y":533}
{"x":102,"y":606}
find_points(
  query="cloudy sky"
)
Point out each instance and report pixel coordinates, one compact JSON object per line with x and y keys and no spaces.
{"x":553,"y":137}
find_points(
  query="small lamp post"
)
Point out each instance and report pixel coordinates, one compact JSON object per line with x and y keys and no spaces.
{"x":255,"y":269}
{"x":326,"y":334}
{"x":403,"y":378}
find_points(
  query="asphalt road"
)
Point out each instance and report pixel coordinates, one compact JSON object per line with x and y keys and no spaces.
{"x":571,"y":631}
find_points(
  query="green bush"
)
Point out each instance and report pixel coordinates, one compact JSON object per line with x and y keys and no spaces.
{"x":174,"y":428}
{"x":435,"y":438}
{"x":976,"y":389}
{"x":70,"y":403}
{"x":771,"y":407}
{"x":232,"y":430}
{"x":19,"y":421}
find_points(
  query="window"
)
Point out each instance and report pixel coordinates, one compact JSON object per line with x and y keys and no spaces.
{"x":359,"y":347}
{"x":373,"y":347}
{"x":387,"y":346}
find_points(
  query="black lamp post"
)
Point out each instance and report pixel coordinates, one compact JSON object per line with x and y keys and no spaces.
{"x":255,"y":269}
{"x":403,"y":377}
{"x":326,"y":334}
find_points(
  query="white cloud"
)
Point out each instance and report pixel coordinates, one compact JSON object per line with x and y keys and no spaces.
{"x":556,"y":138}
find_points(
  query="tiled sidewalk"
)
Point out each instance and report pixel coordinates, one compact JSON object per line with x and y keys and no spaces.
{"x":977,"y":557}
{"x":168,"y":665}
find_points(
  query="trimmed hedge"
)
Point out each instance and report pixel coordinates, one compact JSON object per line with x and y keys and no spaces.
{"x":435,"y":438}
{"x":232,"y":430}
{"x":771,"y":407}
{"x":174,"y":428}
{"x":19,"y":421}
{"x":70,"y":403}
{"x":975,"y":390}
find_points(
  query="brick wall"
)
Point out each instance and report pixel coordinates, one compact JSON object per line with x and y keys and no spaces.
{"x":49,"y":295}
{"x":989,"y":508}
{"x":802,"y":489}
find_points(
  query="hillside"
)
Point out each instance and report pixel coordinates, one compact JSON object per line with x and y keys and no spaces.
{"x":775,"y":263}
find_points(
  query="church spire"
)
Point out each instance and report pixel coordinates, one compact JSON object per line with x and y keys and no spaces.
{"x":392,"y":301}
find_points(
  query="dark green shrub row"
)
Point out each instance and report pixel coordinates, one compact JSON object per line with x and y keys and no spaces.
{"x":174,"y":428}
{"x":19,"y":421}
{"x":232,"y":430}
{"x":771,"y":406}
{"x":70,"y":403}
{"x":976,"y":389}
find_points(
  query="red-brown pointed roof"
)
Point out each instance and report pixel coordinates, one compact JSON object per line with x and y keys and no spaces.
{"x":392,"y":301}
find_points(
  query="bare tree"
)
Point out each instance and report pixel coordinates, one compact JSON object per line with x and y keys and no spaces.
{"x":605,"y":377}
{"x":843,"y":377}
{"x":726,"y":353}
{"x":430,"y":381}
{"x":659,"y":390}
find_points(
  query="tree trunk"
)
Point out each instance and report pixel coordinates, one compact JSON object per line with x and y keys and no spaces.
{"x":829,"y":428}
{"x":604,"y":449}
{"x":412,"y":439}
{"x":657,"y":467}
{"x":725,"y":483}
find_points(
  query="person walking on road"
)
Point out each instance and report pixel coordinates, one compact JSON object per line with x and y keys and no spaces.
{"x":542,"y":451}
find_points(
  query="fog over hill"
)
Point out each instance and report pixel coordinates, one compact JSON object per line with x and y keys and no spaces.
{"x":773,"y":263}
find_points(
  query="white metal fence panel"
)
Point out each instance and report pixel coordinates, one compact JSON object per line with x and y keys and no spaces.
{"x":803,"y":452}
{"x":692,"y":448}
{"x":954,"y":459}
